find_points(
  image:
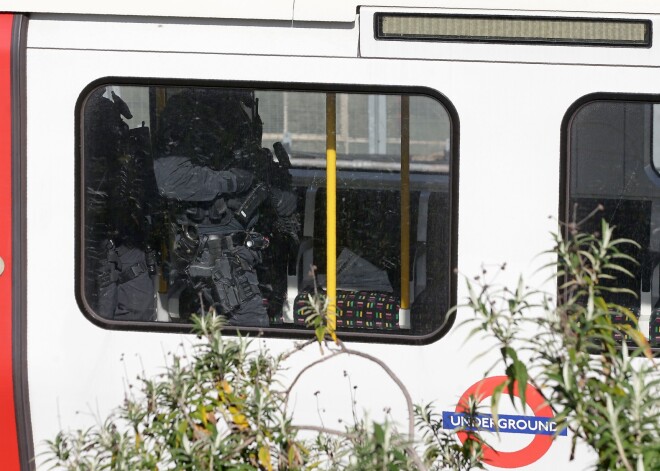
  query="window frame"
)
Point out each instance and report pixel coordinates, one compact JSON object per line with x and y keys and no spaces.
{"x":565,"y":174}
{"x":295,"y":331}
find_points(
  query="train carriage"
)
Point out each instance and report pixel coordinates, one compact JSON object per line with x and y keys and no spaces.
{"x":416,"y":141}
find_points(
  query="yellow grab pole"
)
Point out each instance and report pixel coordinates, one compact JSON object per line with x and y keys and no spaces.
{"x":404,"y":310}
{"x":331,"y":207}
{"x":161,"y":101}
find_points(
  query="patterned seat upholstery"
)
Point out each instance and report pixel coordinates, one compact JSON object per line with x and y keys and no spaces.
{"x":359,"y":309}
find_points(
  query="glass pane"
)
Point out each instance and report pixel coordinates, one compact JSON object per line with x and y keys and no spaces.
{"x":613,"y":163}
{"x":206,"y":198}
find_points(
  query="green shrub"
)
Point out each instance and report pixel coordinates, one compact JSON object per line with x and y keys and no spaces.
{"x":225,"y":406}
{"x":605,"y":392}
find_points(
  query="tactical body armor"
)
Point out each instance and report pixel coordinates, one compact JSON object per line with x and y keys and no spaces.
{"x":210,"y":170}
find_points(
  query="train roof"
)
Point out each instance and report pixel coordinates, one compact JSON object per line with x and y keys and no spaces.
{"x":315,"y":10}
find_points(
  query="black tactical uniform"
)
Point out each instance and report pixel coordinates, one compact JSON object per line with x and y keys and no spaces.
{"x":119,"y":187}
{"x":212,"y":170}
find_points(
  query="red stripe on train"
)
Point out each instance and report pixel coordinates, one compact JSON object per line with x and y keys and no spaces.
{"x":9,"y":459}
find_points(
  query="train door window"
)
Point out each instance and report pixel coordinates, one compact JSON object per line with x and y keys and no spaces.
{"x":613,"y":161}
{"x":196,"y":199}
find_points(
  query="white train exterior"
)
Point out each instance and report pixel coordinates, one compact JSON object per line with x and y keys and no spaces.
{"x":508,"y":165}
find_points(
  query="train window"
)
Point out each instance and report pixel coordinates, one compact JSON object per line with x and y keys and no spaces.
{"x":196,"y":199}
{"x":613,"y":161}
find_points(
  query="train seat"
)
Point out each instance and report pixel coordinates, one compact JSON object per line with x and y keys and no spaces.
{"x":368,"y":262}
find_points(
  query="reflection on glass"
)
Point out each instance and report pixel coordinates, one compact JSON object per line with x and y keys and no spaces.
{"x":613,"y":165}
{"x":199,"y":199}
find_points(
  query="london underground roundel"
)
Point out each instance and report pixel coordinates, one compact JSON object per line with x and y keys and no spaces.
{"x":541,"y":425}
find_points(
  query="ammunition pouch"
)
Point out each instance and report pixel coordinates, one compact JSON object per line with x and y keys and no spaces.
{"x":113,"y":271}
{"x":224,"y":290}
{"x":110,"y":268}
{"x":215,"y":212}
{"x":233,"y":283}
{"x":222,"y":268}
{"x":107,"y":275}
{"x":124,"y":285}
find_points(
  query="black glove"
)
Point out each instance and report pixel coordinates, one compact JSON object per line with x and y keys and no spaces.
{"x":242,"y":178}
{"x":288,"y":226}
{"x":284,"y":202}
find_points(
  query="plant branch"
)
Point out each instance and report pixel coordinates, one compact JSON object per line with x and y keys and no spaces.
{"x":320,"y":429}
{"x":287,"y":391}
{"x":394,"y":377}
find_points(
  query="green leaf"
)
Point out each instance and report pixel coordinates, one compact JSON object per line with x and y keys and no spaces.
{"x":264,"y":458}
{"x":521,"y":378}
{"x":320,"y":333}
{"x":495,"y":401}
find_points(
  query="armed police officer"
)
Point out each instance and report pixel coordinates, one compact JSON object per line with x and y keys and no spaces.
{"x":119,"y":192}
{"x":217,"y":181}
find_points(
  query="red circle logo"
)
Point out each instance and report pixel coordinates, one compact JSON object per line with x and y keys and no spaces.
{"x":510,"y":459}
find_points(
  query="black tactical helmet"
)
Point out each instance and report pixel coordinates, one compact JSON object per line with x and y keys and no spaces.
{"x":209,"y":125}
